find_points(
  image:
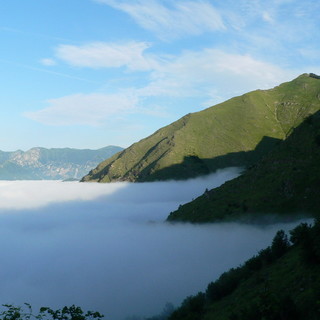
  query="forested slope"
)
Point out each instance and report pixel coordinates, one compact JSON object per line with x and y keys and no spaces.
{"x":282,"y":282}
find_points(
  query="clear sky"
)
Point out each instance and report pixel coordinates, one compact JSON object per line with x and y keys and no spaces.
{"x":92,"y":73}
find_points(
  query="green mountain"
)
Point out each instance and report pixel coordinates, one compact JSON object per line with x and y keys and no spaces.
{"x":285,"y":181}
{"x":234,"y":133}
{"x":51,"y":164}
{"x":282,"y":282}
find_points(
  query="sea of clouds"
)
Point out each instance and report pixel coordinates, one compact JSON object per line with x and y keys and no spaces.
{"x":106,"y":247}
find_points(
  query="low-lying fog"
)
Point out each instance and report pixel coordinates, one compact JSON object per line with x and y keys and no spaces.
{"x":105,"y":247}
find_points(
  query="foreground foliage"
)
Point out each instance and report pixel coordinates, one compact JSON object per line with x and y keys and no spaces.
{"x":11,"y":312}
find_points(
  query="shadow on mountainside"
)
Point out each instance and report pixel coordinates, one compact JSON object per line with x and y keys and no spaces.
{"x":286,"y":181}
{"x":193,"y":166}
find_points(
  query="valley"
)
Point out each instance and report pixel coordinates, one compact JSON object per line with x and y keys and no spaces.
{"x":256,"y":176}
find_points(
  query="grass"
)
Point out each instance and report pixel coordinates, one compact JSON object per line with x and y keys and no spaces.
{"x":286,"y":181}
{"x":235,"y":126}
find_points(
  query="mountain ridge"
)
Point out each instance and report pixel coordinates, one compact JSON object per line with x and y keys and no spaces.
{"x":284,"y":182}
{"x":186,"y":148}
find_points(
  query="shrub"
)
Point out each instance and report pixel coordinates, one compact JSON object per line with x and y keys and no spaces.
{"x":11,"y":312}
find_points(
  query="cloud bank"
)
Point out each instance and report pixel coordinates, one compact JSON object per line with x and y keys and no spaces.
{"x":35,"y":194}
{"x":105,"y":247}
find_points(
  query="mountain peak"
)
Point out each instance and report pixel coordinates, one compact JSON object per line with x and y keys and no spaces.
{"x":221,"y":136}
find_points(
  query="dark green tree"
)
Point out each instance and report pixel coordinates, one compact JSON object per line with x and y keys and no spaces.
{"x":280,"y":244}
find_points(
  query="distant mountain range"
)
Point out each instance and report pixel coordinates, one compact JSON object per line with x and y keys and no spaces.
{"x":51,"y":164}
{"x":237,"y":132}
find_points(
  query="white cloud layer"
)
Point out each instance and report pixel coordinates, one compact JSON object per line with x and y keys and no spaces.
{"x":213,"y":76}
{"x":267,"y":17}
{"x":35,"y":194}
{"x":48,"y":62}
{"x":210,"y":74}
{"x":85,"y":109}
{"x":93,"y":245}
{"x":198,"y":73}
{"x":255,"y":34}
{"x":106,"y":55}
{"x":181,"y":19}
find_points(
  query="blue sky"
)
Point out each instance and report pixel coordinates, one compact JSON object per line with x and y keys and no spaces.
{"x":91,"y":73}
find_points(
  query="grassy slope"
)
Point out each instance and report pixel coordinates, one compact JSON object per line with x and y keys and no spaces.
{"x":229,"y":131}
{"x":286,"y":180}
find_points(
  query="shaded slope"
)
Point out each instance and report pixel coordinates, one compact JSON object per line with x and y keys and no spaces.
{"x":281,"y":282}
{"x":287,"y":180}
{"x":186,"y":147}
